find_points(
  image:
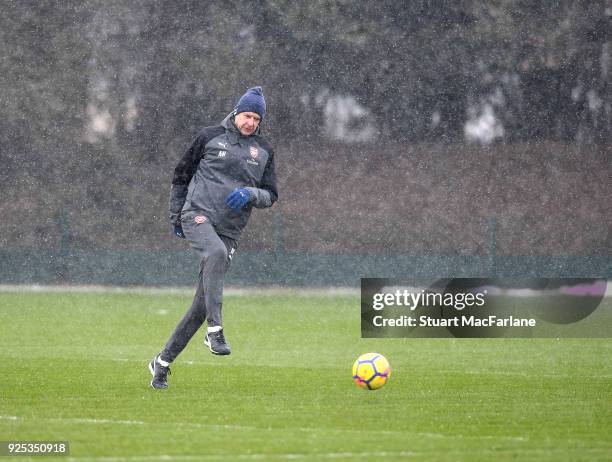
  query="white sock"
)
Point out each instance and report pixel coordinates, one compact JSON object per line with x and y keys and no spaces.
{"x":163,"y":363}
{"x":214,"y":329}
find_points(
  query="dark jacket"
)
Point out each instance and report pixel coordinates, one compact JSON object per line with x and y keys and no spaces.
{"x":219,"y":160}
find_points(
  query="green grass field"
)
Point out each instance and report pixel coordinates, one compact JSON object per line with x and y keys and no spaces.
{"x":74,"y":367}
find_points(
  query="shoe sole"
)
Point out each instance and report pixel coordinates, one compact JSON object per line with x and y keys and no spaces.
{"x":207,"y":343}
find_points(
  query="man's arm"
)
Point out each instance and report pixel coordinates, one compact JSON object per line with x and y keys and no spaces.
{"x":267,"y":193}
{"x":183,"y":173}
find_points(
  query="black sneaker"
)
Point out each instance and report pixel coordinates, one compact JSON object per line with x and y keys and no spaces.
{"x":215,"y":341}
{"x":159,"y":373}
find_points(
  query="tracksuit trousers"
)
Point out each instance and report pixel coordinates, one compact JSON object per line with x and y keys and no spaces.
{"x":215,"y":253}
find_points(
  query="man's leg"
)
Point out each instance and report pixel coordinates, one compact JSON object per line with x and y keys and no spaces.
{"x":187,"y":326}
{"x":215,"y":338}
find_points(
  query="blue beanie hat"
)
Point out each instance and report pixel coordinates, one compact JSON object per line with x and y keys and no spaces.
{"x":252,"y":101}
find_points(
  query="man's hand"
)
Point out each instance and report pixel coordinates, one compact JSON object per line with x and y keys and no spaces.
{"x":178,"y":231}
{"x":238,"y":198}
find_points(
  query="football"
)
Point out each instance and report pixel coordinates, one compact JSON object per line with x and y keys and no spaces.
{"x":371,"y":371}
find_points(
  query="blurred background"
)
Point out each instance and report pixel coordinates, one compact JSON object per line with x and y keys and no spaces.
{"x":421,"y":138}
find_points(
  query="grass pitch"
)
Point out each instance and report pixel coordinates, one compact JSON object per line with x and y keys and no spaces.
{"x":74,"y":367}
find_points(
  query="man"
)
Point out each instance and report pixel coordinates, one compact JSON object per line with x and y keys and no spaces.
{"x":227,"y":170}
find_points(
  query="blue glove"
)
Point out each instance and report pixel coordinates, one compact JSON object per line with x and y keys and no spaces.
{"x":238,"y":198}
{"x":178,"y":231}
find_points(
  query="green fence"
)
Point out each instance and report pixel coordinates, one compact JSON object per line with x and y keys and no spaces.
{"x":113,"y":267}
{"x":68,"y":264}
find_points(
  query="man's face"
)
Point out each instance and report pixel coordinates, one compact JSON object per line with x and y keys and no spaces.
{"x":247,"y":122}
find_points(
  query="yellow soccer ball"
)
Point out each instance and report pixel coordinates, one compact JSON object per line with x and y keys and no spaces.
{"x":371,"y":371}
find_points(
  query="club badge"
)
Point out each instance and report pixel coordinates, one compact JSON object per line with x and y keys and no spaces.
{"x":253,"y":151}
{"x":199,"y":219}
